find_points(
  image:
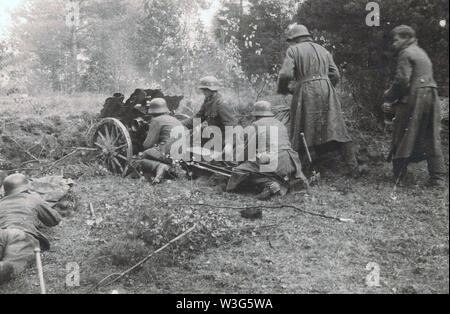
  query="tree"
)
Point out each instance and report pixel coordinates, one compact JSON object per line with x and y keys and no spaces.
{"x":257,"y":28}
{"x":363,"y":52}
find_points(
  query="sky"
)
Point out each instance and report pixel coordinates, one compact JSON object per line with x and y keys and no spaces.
{"x":207,"y":15}
{"x":5,"y":7}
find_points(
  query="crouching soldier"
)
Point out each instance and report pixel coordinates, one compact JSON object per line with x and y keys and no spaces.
{"x":287,"y":167}
{"x":22,"y":215}
{"x":214,"y":110}
{"x":416,"y":133}
{"x":156,"y":157}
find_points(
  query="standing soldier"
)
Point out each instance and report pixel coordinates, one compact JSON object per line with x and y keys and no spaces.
{"x":315,"y":109}
{"x":158,"y":143}
{"x":416,"y":134}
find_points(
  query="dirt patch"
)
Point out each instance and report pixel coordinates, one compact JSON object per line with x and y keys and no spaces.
{"x":284,"y":252}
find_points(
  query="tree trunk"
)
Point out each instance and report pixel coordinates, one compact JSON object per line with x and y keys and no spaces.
{"x":74,"y":54}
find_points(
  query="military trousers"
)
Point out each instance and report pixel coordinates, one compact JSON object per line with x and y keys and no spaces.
{"x":346,"y":150}
{"x":436,"y":167}
{"x":16,"y":251}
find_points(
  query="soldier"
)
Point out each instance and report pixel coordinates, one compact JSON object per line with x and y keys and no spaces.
{"x":288,"y":167}
{"x":158,"y":143}
{"x":315,"y":109}
{"x":22,"y":215}
{"x":214,"y":111}
{"x":416,"y":133}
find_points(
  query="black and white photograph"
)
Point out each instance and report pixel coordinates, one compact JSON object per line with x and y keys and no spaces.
{"x":223,"y":154}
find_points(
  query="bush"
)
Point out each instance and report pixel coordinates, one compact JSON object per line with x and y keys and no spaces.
{"x":363,"y":53}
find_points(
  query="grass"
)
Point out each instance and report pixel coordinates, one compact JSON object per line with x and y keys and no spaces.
{"x":52,"y":105}
{"x":284,"y":252}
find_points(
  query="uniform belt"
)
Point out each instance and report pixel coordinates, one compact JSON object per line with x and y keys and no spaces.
{"x":425,"y":81}
{"x":314,"y":78}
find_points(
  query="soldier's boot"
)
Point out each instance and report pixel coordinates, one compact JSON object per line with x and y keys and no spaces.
{"x":6,"y":272}
{"x":161,"y":170}
{"x":401,"y":175}
{"x":348,"y":155}
{"x":399,"y":169}
{"x":270,"y":189}
{"x":436,"y":169}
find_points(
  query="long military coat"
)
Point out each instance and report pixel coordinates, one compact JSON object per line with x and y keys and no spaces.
{"x":416,"y":134}
{"x":315,"y":109}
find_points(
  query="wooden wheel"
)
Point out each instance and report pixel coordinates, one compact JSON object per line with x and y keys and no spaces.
{"x":114,"y":144}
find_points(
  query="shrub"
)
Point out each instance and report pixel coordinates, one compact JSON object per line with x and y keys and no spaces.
{"x":363,"y":52}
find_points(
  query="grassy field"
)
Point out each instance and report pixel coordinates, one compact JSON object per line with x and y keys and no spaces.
{"x":406,"y":233}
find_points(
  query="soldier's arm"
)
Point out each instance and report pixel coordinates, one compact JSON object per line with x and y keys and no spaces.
{"x":286,"y":73}
{"x":47,"y":215}
{"x":188,"y":123}
{"x":401,"y":84}
{"x":154,"y":130}
{"x":227,"y":115}
{"x":333,"y":71}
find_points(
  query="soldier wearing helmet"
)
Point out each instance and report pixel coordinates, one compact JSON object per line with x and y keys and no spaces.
{"x":156,"y":159}
{"x":316,"y":109}
{"x":288,"y":167}
{"x":22,"y":216}
{"x":214,"y":111}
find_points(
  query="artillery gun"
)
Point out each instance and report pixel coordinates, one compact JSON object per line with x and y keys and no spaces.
{"x":122,"y":128}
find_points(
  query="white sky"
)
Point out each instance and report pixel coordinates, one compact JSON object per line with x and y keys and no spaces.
{"x":207,"y":15}
{"x":5,"y":20}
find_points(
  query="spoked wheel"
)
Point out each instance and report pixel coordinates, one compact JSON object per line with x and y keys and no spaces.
{"x":113,"y":141}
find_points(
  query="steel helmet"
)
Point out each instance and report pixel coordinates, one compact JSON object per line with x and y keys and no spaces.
{"x":15,"y":183}
{"x":297,"y":30}
{"x":158,"y":105}
{"x":262,"y":109}
{"x":209,"y":82}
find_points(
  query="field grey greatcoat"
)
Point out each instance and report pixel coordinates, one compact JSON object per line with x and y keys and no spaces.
{"x":416,"y":134}
{"x":315,"y":109}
